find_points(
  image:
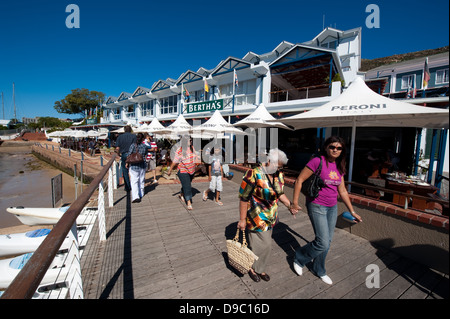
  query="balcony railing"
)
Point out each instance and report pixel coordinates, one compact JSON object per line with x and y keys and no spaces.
{"x":307,"y":92}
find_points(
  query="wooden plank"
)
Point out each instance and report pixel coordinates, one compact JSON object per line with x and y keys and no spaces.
{"x":159,"y":249}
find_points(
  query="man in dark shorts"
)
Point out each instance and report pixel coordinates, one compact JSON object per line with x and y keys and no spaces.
{"x":123,"y":144}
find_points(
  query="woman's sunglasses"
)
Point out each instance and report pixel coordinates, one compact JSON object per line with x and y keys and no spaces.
{"x":331,"y":147}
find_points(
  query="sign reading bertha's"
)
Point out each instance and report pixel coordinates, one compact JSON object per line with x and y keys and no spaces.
{"x":205,"y":106}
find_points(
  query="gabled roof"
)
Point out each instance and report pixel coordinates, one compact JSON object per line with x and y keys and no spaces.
{"x":189,"y":76}
{"x":124,"y":96}
{"x":280,"y":49}
{"x":326,"y":33}
{"x":251,"y":57}
{"x":301,"y":52}
{"x":171,"y":81}
{"x":229,"y":65}
{"x":140,"y":91}
{"x":110,"y":100}
{"x":204,"y":72}
{"x":160,"y":85}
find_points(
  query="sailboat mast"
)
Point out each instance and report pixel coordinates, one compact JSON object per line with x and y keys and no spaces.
{"x":14,"y":100}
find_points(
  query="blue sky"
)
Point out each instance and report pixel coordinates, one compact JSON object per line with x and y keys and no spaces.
{"x":121,"y":45}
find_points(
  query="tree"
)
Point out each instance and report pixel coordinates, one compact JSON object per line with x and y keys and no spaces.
{"x":78,"y":101}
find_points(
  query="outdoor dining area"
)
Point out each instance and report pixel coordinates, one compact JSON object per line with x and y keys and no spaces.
{"x":358,"y":106}
{"x":80,"y":140}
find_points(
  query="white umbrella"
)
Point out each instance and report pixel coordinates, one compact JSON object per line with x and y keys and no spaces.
{"x":142,"y":129}
{"x":180,"y":126}
{"x":93,"y":133}
{"x":217,"y":124}
{"x":156,"y":127}
{"x":361,"y":106}
{"x":79,"y":134}
{"x":259,"y":118}
{"x":56,"y":134}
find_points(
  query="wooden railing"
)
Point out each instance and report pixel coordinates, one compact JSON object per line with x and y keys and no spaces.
{"x":29,"y":278}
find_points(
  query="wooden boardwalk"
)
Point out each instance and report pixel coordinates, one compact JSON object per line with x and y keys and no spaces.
{"x":159,"y":249}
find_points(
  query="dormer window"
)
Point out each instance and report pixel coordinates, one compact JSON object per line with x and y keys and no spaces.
{"x":407,"y":81}
{"x":442,"y":76}
{"x":329,"y":45}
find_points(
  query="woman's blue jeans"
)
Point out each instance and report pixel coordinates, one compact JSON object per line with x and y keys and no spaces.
{"x":323,"y":220}
{"x":186,"y":186}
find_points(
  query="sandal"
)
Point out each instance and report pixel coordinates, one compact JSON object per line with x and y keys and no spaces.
{"x":219,"y":203}
{"x":205,"y":196}
{"x":189,"y":207}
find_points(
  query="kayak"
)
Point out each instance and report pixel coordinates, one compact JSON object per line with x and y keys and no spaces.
{"x":50,"y":216}
{"x":21,"y":243}
{"x":9,"y":268}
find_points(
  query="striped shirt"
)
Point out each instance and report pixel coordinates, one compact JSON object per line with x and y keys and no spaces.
{"x":150,"y":154}
{"x":186,"y":162}
{"x":262,"y":197}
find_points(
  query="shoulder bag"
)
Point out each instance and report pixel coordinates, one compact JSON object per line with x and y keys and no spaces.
{"x":312,"y":186}
{"x":135,"y":157}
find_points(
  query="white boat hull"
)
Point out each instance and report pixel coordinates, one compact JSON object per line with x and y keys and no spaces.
{"x":9,"y":268}
{"x":21,"y":243}
{"x":50,"y":216}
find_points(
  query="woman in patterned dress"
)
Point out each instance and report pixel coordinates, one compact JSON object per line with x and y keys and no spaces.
{"x":260,"y":191}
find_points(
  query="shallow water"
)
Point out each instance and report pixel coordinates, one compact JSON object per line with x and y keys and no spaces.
{"x":26,"y":181}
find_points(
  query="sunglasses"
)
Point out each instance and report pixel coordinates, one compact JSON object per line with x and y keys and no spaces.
{"x":331,"y":147}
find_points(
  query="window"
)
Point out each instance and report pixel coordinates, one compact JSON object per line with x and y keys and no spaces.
{"x":169,"y":104}
{"x":148,"y":108}
{"x":329,"y":45}
{"x":408,"y":81}
{"x":442,"y":76}
{"x":245,"y":92}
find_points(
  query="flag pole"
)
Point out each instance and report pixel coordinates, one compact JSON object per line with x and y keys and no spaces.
{"x":234,"y":87}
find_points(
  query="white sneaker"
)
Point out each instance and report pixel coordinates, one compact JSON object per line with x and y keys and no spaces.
{"x":298,"y":269}
{"x":326,"y":280}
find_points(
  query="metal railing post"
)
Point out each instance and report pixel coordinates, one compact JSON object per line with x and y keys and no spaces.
{"x":101,"y":212}
{"x":110,"y":187}
{"x":73,"y":261}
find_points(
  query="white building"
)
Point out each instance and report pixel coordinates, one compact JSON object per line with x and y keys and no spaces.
{"x":405,"y":80}
{"x":290,"y":72}
{"x":289,"y":79}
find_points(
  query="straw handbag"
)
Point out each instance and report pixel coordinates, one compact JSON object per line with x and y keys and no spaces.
{"x":239,"y":256}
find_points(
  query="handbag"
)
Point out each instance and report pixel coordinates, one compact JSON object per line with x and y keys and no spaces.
{"x":135,"y":157}
{"x":312,"y":186}
{"x":240,"y":256}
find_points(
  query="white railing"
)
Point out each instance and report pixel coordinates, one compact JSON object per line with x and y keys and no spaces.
{"x":62,"y":278}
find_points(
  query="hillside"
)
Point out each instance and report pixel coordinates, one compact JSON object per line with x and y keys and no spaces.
{"x":371,"y":64}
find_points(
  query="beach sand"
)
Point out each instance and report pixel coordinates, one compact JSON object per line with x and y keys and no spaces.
{"x":26,"y":181}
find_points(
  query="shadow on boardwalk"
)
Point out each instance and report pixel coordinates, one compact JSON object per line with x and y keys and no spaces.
{"x":159,"y":249}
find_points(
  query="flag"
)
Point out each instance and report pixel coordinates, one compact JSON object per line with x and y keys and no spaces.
{"x":185,"y":93}
{"x":206,"y":86}
{"x":236,"y":82}
{"x":426,"y":75}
